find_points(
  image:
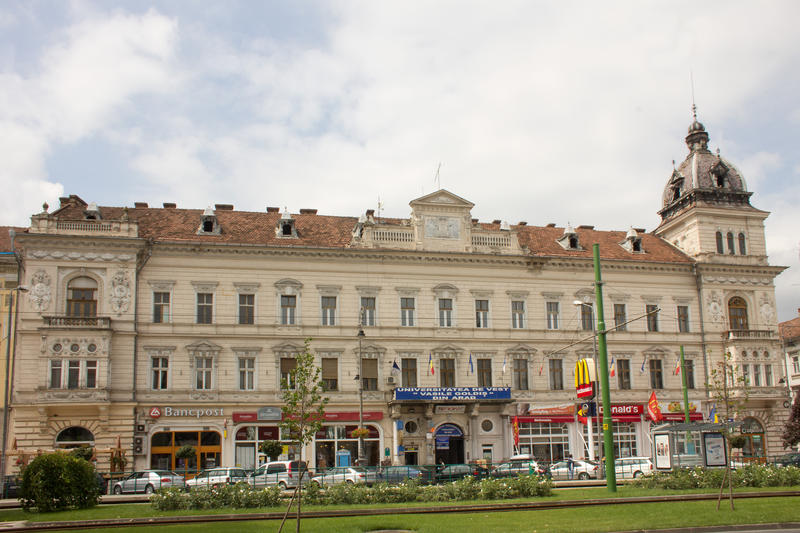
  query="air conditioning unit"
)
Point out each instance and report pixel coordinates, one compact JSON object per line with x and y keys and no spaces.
{"x":390,"y":380}
{"x":137,"y":450}
{"x":137,"y":441}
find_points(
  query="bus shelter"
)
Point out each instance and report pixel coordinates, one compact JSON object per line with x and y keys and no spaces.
{"x":690,"y":444}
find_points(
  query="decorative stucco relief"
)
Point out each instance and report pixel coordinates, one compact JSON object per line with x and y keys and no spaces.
{"x":714,"y":305}
{"x":767,"y":308}
{"x":41,"y":292}
{"x":80,"y":256}
{"x":120,"y":292}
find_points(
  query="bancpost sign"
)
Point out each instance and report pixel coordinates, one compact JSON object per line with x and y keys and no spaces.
{"x":192,"y":412}
{"x":584,"y":378}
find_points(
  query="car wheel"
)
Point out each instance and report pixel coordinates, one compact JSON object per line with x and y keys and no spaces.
{"x":282,"y":485}
{"x":636,"y":474}
{"x":583,"y":475}
{"x":149,"y":489}
{"x":117,"y":490}
{"x":348,"y":481}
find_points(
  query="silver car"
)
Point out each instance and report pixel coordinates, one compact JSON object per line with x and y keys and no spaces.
{"x":580,"y":470}
{"x":148,"y":481}
{"x":285,"y":474}
{"x":345,"y":474}
{"x":216,"y":477}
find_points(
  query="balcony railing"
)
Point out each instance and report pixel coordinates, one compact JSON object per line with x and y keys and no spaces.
{"x":93,"y":322}
{"x":735,"y":334}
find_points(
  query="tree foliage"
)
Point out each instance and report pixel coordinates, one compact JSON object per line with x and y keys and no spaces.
{"x":791,"y":433}
{"x":271,"y":448}
{"x":57,"y":482}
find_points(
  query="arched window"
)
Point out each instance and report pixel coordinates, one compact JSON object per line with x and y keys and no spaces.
{"x":74,"y":437}
{"x":737,"y":313}
{"x":742,"y":248}
{"x":730,"y":244}
{"x":720,"y":249}
{"x":82,"y":297}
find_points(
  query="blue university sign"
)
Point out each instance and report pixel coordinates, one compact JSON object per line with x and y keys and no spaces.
{"x":444,"y":394}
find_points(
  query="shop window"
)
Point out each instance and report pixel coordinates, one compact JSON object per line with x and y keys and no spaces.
{"x":408,"y":367}
{"x":369,"y":368}
{"x":334,"y":438}
{"x":164,"y":444}
{"x":330,"y":373}
{"x":82,"y":297}
{"x":737,"y":313}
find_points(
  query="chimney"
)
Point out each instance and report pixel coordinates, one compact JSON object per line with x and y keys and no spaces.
{"x":169,"y":205}
{"x":308,"y":211}
{"x":496,"y":221}
{"x":522,"y":223}
{"x":585,"y":226}
{"x":273,"y":209}
{"x":140,"y":205}
{"x":551,"y":225}
{"x":223,"y":207}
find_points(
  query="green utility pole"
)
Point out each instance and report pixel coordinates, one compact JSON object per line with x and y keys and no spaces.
{"x":608,"y":428}
{"x":686,"y":417}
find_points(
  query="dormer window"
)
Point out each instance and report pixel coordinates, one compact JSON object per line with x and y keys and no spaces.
{"x":209,"y":225}
{"x":569,"y":241}
{"x":719,"y":170}
{"x":92,"y":213}
{"x":632,"y":242}
{"x":286,"y":226}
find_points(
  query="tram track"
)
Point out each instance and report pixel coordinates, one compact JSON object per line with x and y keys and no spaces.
{"x":345,"y":513}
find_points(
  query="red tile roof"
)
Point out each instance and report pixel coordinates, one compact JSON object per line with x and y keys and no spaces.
{"x":789,"y":329}
{"x":5,"y":238}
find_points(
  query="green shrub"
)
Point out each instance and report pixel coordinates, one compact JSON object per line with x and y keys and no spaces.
{"x":169,"y":499}
{"x":752,"y":475}
{"x":58,"y":481}
{"x":82,"y":452}
{"x":239,"y":496}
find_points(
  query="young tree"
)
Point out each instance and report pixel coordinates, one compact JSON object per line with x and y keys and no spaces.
{"x":791,"y":434}
{"x":271,"y":448}
{"x":303,"y":411}
{"x":730,"y":392}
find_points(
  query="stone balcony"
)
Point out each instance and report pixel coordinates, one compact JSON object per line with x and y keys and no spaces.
{"x":76,"y":322}
{"x":749,"y":334}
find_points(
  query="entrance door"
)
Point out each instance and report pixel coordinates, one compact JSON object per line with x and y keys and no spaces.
{"x":411,"y":458}
{"x":449,"y":444}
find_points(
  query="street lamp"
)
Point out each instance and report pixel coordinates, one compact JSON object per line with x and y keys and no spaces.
{"x":578,"y":303}
{"x":7,"y":385}
{"x":361,"y":458}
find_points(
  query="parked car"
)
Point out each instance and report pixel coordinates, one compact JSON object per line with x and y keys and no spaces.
{"x":285,"y":474}
{"x":215,"y":477}
{"x":516,"y":466}
{"x":790,"y":459}
{"x":102,"y":483}
{"x":581,"y":470}
{"x":345,"y":474}
{"x":148,"y":481}
{"x":399,"y":474}
{"x":12,"y":485}
{"x":460,"y":471}
{"x":632,"y":467}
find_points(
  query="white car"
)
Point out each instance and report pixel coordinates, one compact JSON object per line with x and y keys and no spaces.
{"x":345,"y":474}
{"x":632,"y":467}
{"x":215,"y":477}
{"x":148,"y":481}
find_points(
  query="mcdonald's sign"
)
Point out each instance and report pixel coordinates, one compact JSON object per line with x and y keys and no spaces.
{"x":585,"y":378}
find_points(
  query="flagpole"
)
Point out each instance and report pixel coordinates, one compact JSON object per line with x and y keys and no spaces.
{"x":686,"y":416}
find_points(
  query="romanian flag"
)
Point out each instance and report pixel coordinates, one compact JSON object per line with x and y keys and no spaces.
{"x":613,"y":371}
{"x":677,"y":366}
{"x":430,"y":362}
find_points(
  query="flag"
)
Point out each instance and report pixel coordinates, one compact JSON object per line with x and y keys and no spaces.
{"x":712,"y":415}
{"x":677,"y":366}
{"x":613,"y":371}
{"x":653,"y":410}
{"x":541,"y":369}
{"x":430,"y":362}
{"x":504,"y":364}
{"x":515,"y":427}
{"x":643,"y":362}
{"x":395,"y":368}
{"x":471,"y":366}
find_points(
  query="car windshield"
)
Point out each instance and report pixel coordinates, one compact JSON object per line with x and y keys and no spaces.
{"x":358,"y":469}
{"x":164,"y":473}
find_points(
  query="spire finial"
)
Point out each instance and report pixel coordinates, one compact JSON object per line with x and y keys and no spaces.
{"x":673,"y":165}
{"x":694,"y":107}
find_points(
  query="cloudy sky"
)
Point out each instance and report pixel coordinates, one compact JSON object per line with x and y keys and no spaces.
{"x":538,"y":111}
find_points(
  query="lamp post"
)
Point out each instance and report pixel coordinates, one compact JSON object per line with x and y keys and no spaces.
{"x":595,"y":418}
{"x":361,"y":457}
{"x":7,"y":384}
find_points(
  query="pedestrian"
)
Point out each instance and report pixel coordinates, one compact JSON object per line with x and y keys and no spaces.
{"x":570,"y":467}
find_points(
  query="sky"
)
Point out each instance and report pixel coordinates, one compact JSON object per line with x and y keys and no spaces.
{"x":564,"y":112}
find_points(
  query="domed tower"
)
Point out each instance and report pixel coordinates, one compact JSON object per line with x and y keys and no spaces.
{"x":706,"y":209}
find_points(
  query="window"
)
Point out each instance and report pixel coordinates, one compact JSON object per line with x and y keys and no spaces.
{"x":556,"y":374}
{"x":746,"y":374}
{"x":330,"y":373}
{"x":742,"y":247}
{"x":484,"y":372}
{"x":160,"y":307}
{"x":247,"y":308}
{"x":368,"y":310}
{"x":247,"y":373}
{"x":205,"y":306}
{"x":91,"y":374}
{"x":730,"y":244}
{"x":623,"y":374}
{"x":737,"y":313}
{"x":768,"y":375}
{"x":407,"y":312}
{"x":329,"y":310}
{"x":587,"y":317}
{"x":521,"y":374}
{"x":552,"y":315}
{"x":445,"y":312}
{"x":370,"y":369}
{"x":408,"y":368}
{"x":481,"y":313}
{"x":656,"y":374}
{"x":202,"y":371}
{"x":288,"y":364}
{"x":82,"y":297}
{"x":73,"y":374}
{"x":688,"y":366}
{"x":620,"y":317}
{"x":288,"y":310}
{"x":160,"y":369}
{"x":756,"y":375}
{"x":652,"y":317}
{"x":683,"y":318}
{"x":447,"y":372}
{"x":517,"y":314}
{"x":720,"y":249}
{"x":796,"y":364}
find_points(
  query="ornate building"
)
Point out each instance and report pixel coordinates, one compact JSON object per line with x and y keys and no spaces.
{"x":164,"y":326}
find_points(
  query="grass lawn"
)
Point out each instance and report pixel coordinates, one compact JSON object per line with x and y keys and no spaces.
{"x":605,"y":518}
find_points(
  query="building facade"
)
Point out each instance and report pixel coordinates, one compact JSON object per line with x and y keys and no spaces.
{"x":149,"y":328}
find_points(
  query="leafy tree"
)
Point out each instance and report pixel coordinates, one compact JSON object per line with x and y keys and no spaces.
{"x":185,"y":452}
{"x":730,"y":391}
{"x":271,"y":448}
{"x":303,"y":411}
{"x":57,"y":482}
{"x":84,"y":452}
{"x":791,"y":434}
